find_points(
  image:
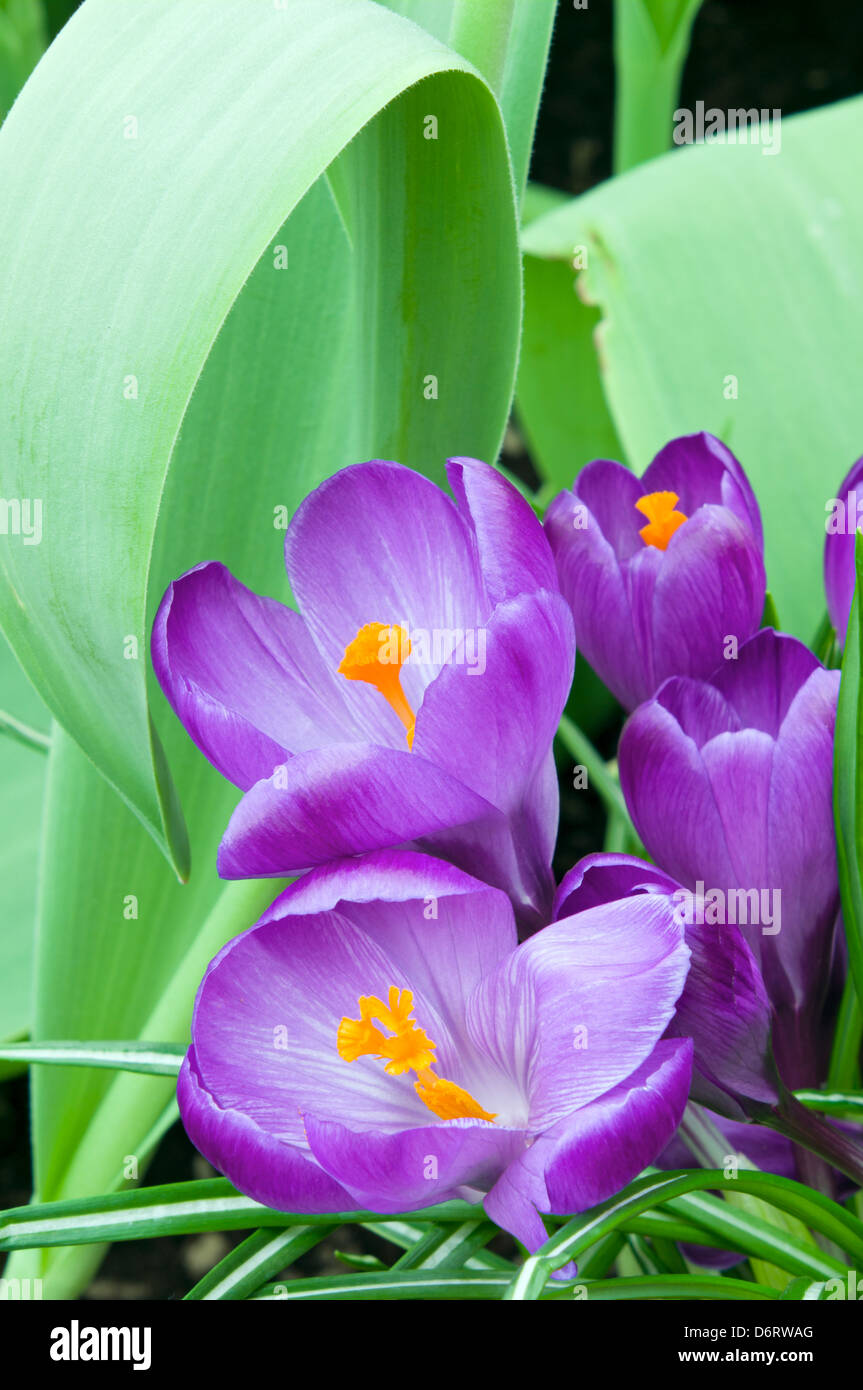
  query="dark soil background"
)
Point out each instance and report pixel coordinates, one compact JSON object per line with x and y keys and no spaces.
{"x":776,"y":53}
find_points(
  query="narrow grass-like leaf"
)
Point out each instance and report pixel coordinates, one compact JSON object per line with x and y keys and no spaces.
{"x":153,"y":1059}
{"x":815,"y":1210}
{"x":447,"y":1248}
{"x":397,"y":1285}
{"x":845,"y":1105}
{"x":211,"y":1204}
{"x":255,"y":1261}
{"x":844,"y":1069}
{"x":672,"y":1286}
{"x":406,"y":1235}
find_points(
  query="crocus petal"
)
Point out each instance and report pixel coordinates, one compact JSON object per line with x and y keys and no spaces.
{"x":702,"y":471}
{"x":380,"y":543}
{"x":593,"y":585}
{"x":384,"y":797}
{"x":723,"y":1006}
{"x":492,"y":727}
{"x":839,"y":569}
{"x":412,"y":1167}
{"x":265,"y":1168}
{"x":601,"y":878}
{"x":766,"y":678}
{"x":440,"y":928}
{"x":514,"y":553}
{"x":667,"y":787}
{"x":725,"y":1010}
{"x":242,"y":674}
{"x":579,"y":1006}
{"x":266,"y":1021}
{"x":745,"y":810}
{"x":594,"y":1152}
{"x":643,"y":614}
{"x":710,"y":587}
{"x":802,"y":846}
{"x":610,"y":493}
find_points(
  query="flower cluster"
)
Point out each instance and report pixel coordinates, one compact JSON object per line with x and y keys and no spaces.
{"x":422,"y":1014}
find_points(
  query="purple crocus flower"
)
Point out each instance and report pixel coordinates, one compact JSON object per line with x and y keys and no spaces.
{"x":729,"y":784}
{"x":845,"y":519}
{"x":379,"y":1040}
{"x":660,"y":571}
{"x":724,"y":1006}
{"x":414,"y":697}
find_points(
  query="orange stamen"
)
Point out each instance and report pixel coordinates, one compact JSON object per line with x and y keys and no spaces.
{"x":663,"y":520}
{"x":408,"y":1049}
{"x":376,"y":655}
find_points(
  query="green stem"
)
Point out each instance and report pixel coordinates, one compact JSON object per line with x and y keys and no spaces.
{"x":647,"y":81}
{"x":603,"y":782}
{"x":816,"y":1134}
{"x":22,"y":733}
{"x":844,"y":1074}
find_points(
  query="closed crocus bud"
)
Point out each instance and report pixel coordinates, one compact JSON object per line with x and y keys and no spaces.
{"x":843,"y":522}
{"x":660,"y":571}
{"x":729,"y":784}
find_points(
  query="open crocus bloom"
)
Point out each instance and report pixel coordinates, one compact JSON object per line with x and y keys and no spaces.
{"x":414,"y":697}
{"x":839,"y":573}
{"x":724,"y":1006}
{"x":379,"y":1041}
{"x":729,"y":784}
{"x":660,"y":571}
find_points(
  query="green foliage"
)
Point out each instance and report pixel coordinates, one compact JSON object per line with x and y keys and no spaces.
{"x":715,"y":269}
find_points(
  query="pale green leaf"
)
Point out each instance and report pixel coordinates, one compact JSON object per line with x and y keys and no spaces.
{"x":189,"y":169}
{"x":730,"y":283}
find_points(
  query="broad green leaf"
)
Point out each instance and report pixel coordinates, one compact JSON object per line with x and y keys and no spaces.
{"x":716,"y":268}
{"x":848,"y":782}
{"x":191,"y":169}
{"x":560,"y":402}
{"x":507,"y":40}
